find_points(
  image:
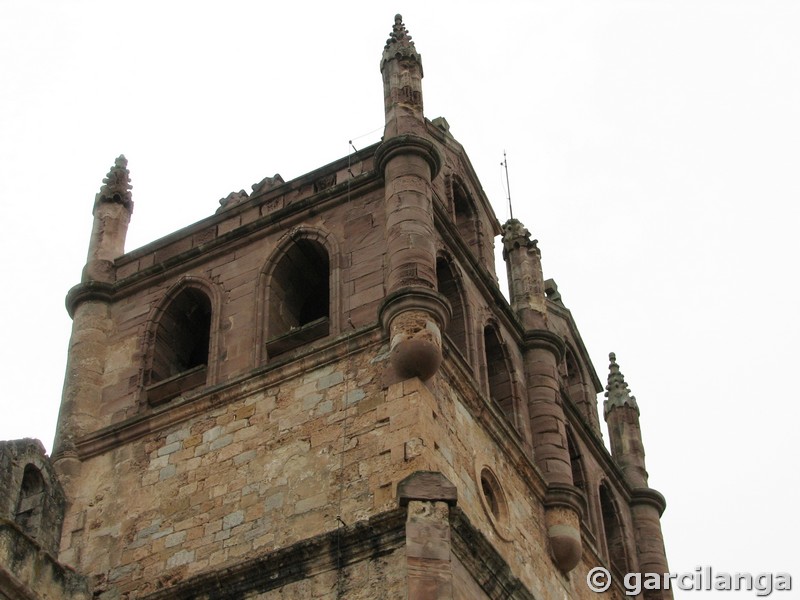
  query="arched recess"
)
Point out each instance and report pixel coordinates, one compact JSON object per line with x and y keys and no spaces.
{"x":579,"y":479}
{"x":613,"y":531}
{"x":299,"y":299}
{"x":578,"y":391}
{"x":449,"y":284}
{"x":30,"y":494}
{"x":498,"y":372}
{"x":466,"y":216}
{"x":30,"y":502}
{"x":181,"y":343}
{"x":576,"y":462}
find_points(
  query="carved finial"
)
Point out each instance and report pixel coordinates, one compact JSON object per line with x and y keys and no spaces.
{"x":233,"y":199}
{"x":516,"y":235}
{"x":399,"y":33}
{"x":400,"y":44}
{"x":117,"y":185}
{"x":268,"y":183}
{"x":617,"y":392}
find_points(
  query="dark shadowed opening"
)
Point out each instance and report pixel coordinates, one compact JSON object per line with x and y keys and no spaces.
{"x":615,"y":543}
{"x":299,"y":297}
{"x":448,"y":287}
{"x":182,"y":337}
{"x":498,"y":373}
{"x":30,"y":502}
{"x":466,"y":218}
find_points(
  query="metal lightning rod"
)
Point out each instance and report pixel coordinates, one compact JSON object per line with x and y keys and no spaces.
{"x":508,"y":186}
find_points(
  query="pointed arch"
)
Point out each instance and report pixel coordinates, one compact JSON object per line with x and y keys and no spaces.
{"x":576,"y":462}
{"x":181,"y":340}
{"x":579,"y":476}
{"x":574,"y":375}
{"x":499,"y":381}
{"x":450,"y":284}
{"x":613,"y":531}
{"x":299,"y":299}
{"x":577,"y":389}
{"x":465,"y":215}
{"x":30,"y":502}
{"x":30,"y":493}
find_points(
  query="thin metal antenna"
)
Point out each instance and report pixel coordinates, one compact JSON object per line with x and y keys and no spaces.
{"x":508,"y":185}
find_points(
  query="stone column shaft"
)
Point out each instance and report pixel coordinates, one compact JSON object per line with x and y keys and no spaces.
{"x":547,"y":421}
{"x":88,"y":305}
{"x":414,"y":313}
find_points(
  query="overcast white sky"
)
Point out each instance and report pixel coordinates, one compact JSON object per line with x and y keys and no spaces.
{"x":653,"y":149}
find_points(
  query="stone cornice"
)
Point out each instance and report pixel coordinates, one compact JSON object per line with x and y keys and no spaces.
{"x":87,"y":291}
{"x":408,"y":144}
{"x":649,"y":496}
{"x":187,"y":407}
{"x":565,"y":496}
{"x":378,"y":536}
{"x":227,"y":242}
{"x":489,"y":569}
{"x":544,"y":339}
{"x":414,"y":298}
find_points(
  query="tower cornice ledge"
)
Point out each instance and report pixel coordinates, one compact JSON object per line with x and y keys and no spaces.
{"x":543,"y":338}
{"x":88,"y":290}
{"x":564,"y":496}
{"x":414,"y":298}
{"x":649,"y":496}
{"x":408,"y":144}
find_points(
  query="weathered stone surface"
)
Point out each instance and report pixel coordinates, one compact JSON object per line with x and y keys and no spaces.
{"x":297,"y":396}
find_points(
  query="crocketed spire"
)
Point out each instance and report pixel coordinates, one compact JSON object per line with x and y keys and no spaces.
{"x":617,"y":392}
{"x":117,"y":185}
{"x":399,"y":44}
{"x":399,"y":33}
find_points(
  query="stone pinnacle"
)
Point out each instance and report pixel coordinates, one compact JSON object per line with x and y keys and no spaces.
{"x":117,"y":185}
{"x":617,"y":392}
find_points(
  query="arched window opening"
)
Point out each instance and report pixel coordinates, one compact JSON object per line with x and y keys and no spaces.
{"x":448,"y":287}
{"x":579,"y":475}
{"x":573,"y":371}
{"x":612,"y":528}
{"x":299,"y":297}
{"x":498,"y":373}
{"x":180,"y":350}
{"x":576,"y":462}
{"x":466,"y":217}
{"x":30,"y":502}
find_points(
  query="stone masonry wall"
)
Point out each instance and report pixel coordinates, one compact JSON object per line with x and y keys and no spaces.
{"x":237,"y":294}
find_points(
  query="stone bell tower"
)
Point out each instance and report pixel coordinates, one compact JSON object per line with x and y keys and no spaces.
{"x":320,"y":391}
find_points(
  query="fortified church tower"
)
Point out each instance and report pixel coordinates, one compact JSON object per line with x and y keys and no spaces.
{"x":320,"y":392}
